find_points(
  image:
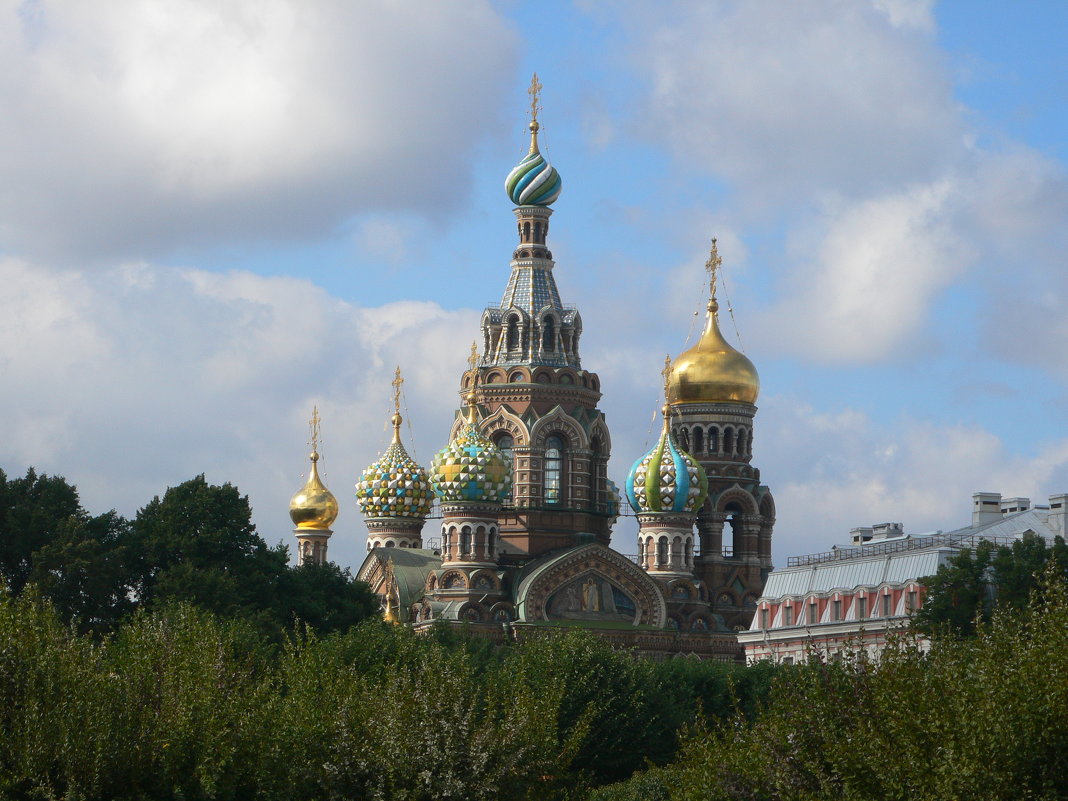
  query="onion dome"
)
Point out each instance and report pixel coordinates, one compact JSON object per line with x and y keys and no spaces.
{"x":314,"y":507}
{"x":667,"y":479}
{"x":471,"y":468}
{"x":394,"y":486}
{"x":712,"y":371}
{"x":533,"y":181}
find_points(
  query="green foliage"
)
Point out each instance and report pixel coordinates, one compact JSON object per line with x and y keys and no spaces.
{"x":196,"y":544}
{"x":974,"y":582}
{"x":977,"y":718}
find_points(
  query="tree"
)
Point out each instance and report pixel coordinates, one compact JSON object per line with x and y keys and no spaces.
{"x":32,"y":511}
{"x":972,"y":583}
{"x":325,"y":597}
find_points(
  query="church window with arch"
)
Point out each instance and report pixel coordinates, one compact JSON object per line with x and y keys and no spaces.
{"x":554,"y":469}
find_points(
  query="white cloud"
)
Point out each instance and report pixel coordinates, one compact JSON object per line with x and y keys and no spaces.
{"x":134,"y":379}
{"x":791,"y":100}
{"x":831,"y":472}
{"x":130,"y":126}
{"x":865,"y":276}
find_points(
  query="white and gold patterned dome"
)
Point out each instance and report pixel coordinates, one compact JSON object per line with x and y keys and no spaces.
{"x":394,"y":485}
{"x":667,"y":479}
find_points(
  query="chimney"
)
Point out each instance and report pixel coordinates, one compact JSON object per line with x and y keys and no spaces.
{"x":1058,"y":505}
{"x":986,"y":508}
{"x":1011,"y":506}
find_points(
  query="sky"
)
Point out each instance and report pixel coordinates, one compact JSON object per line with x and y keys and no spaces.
{"x":215,"y":216}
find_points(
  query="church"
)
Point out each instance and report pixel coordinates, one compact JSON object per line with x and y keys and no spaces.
{"x":525,"y":503}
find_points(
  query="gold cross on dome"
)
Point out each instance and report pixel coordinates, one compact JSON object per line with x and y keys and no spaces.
{"x":314,"y":423}
{"x":712,"y":266}
{"x":472,"y":360}
{"x":666,"y":372}
{"x":535,"y":97}
{"x":397,"y":383}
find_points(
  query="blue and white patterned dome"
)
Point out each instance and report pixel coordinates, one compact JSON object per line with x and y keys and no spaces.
{"x":667,"y":479}
{"x":471,"y":468}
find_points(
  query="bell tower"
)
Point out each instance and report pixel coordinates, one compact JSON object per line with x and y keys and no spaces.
{"x":712,"y":389}
{"x":533,"y":398}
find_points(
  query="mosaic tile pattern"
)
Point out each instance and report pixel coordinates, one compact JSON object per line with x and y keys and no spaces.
{"x":667,"y":479}
{"x":471,"y":468}
{"x":394,"y":486}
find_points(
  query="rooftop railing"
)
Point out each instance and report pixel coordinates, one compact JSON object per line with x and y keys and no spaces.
{"x":897,"y":546}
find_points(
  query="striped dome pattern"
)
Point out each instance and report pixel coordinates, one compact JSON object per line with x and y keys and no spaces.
{"x":471,"y":468}
{"x":394,"y":486}
{"x":667,"y":479}
{"x":533,"y":182}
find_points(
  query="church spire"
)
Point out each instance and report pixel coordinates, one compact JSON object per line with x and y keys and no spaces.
{"x":314,"y":508}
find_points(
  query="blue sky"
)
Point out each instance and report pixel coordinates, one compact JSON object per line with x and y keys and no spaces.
{"x":213,"y":217}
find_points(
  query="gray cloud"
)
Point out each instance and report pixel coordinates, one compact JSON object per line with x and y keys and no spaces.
{"x":130,"y":127}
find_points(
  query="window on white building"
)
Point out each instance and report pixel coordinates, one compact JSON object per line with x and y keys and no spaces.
{"x":886,"y":605}
{"x":837,"y":610}
{"x":813,"y":612}
{"x":788,"y":616}
{"x":862,"y":608}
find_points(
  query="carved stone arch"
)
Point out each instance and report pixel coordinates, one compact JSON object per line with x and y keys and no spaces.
{"x":431,"y":582}
{"x":496,"y":377}
{"x":565,"y":373}
{"x":544,"y":376}
{"x":739,"y":496}
{"x":504,"y":420}
{"x":559,"y":422}
{"x":590,"y":562}
{"x":600,"y":431}
{"x":519,"y":375}
{"x":472,"y":612}
{"x":502,"y":612}
{"x":453,"y":580}
{"x":767,"y":508}
{"x":684,"y":584}
{"x":576,"y":323}
{"x":700,"y":621}
{"x":479,"y":577}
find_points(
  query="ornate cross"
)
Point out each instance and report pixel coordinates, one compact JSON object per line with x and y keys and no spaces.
{"x":666,"y":372}
{"x":535,"y":96}
{"x":397,"y":383}
{"x":314,"y":423}
{"x":472,"y":360}
{"x":712,"y":266}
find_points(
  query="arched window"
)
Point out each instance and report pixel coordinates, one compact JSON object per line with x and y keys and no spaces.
{"x":506,"y":443}
{"x":662,"y":552}
{"x":537,"y":232}
{"x":513,"y":333}
{"x":465,"y":540}
{"x":526,"y":232}
{"x":554,"y":469}
{"x":749,"y":444}
{"x":548,"y":335}
{"x":728,"y":441}
{"x":713,"y":440}
{"x":698,"y":440}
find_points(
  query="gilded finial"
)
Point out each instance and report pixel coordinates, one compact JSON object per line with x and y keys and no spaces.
{"x":535,"y":106}
{"x":314,"y":424}
{"x":712,"y":266}
{"x":390,"y":615}
{"x":666,"y":373}
{"x":471,"y":397}
{"x":397,"y":382}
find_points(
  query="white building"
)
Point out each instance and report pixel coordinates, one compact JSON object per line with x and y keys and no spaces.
{"x":853,"y":596}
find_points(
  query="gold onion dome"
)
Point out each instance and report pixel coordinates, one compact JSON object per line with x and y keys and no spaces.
{"x":314,"y":506}
{"x":394,"y":486}
{"x":712,"y":371}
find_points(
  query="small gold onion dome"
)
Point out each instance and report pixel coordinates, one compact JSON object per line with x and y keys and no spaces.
{"x":314,"y":507}
{"x":712,"y":371}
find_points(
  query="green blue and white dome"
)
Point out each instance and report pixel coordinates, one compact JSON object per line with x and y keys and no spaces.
{"x":667,"y":479}
{"x":533,"y":181}
{"x":394,"y":486}
{"x":471,"y":468}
